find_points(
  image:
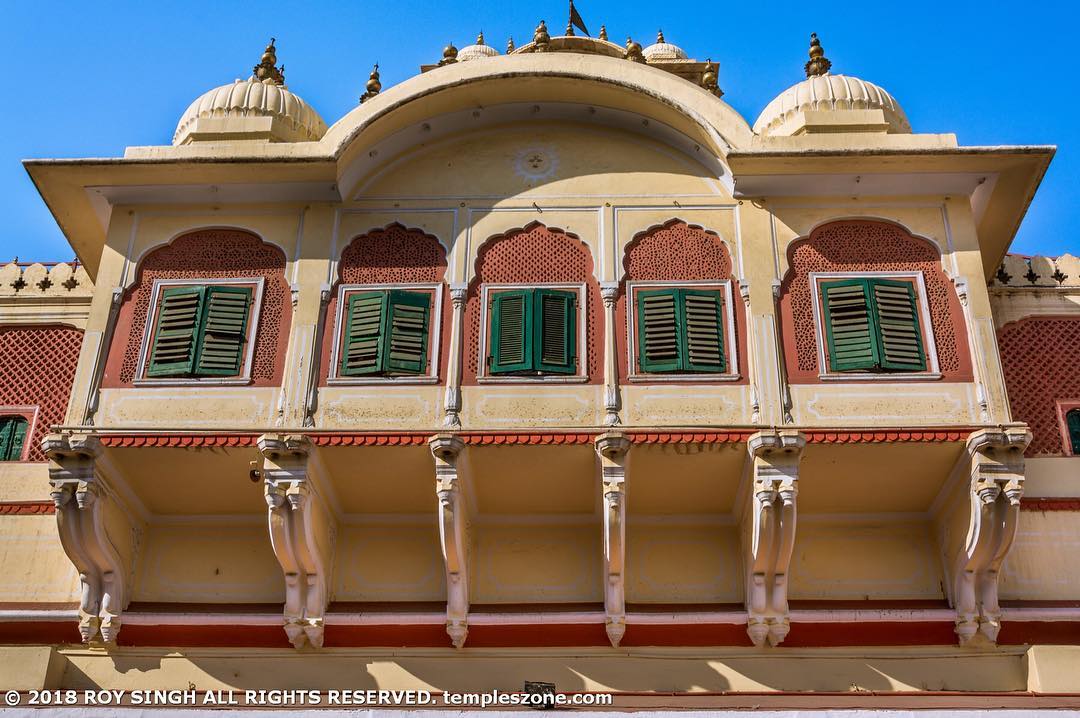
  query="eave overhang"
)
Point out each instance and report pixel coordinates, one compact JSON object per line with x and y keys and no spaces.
{"x":1000,"y":182}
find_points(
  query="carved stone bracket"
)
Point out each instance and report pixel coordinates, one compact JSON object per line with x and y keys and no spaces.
{"x":453,"y":532}
{"x":775,"y":456}
{"x":82,"y":500}
{"x":995,"y":489}
{"x":613,"y":450}
{"x":301,"y":534}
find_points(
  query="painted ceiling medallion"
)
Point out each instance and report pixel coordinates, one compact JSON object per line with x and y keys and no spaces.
{"x":534,"y":164}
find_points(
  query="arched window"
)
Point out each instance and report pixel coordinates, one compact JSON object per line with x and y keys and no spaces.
{"x":12,"y":437}
{"x":1072,"y":423}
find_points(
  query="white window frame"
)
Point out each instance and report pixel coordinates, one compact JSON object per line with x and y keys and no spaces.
{"x":253,"y":327}
{"x":730,"y":347}
{"x":579,"y":377}
{"x":933,"y":368}
{"x":434,"y":338}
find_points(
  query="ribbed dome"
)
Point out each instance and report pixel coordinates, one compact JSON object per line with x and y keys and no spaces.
{"x":663,"y":50}
{"x":297,"y":121}
{"x":477,"y":51}
{"x":832,"y":92}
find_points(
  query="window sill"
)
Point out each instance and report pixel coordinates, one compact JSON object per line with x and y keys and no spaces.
{"x":682,"y":378}
{"x":863,"y":376}
{"x":521,"y":379}
{"x":382,"y":380}
{"x":194,"y":381}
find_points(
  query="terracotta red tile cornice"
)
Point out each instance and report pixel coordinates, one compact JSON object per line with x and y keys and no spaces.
{"x":1050,"y":504}
{"x":689,"y":437}
{"x":358,"y":439}
{"x":177,"y":440}
{"x":887,"y":436}
{"x":26,"y":508}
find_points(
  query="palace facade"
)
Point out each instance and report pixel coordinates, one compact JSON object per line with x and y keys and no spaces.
{"x":545,"y":365}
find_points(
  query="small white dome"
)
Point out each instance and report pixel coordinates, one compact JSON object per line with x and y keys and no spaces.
{"x":477,"y":51}
{"x":229,"y":107}
{"x":832,"y":92}
{"x":662,"y":50}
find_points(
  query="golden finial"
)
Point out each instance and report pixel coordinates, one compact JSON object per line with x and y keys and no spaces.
{"x":569,"y":28}
{"x":509,"y":46}
{"x":374,"y":86}
{"x":480,"y":38}
{"x":818,"y":63}
{"x":709,"y":77}
{"x":660,"y":37}
{"x":449,"y":55}
{"x":541,"y":39}
{"x":633,"y":51}
{"x":266,"y":71}
{"x":603,"y":32}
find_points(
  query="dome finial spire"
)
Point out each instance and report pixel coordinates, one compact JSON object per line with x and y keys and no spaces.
{"x":266,"y":71}
{"x":374,"y":85}
{"x":509,"y":45}
{"x":818,"y":63}
{"x":660,"y":36}
{"x":480,"y":38}
{"x":603,"y":32}
{"x":541,"y":38}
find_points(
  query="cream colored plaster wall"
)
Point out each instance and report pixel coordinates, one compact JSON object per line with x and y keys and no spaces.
{"x":384,"y":563}
{"x":376,"y":407}
{"x":1044,"y":563}
{"x":209,"y":562}
{"x":881,"y":403}
{"x":187,"y":407}
{"x":1052,"y":476}
{"x":550,"y":407}
{"x":862,"y":559}
{"x":24,"y":481}
{"x":35,"y":566}
{"x":536,"y":563}
{"x":668,"y":562}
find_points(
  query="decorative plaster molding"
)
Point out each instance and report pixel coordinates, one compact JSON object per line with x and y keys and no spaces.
{"x":775,"y":456}
{"x":302,"y":535}
{"x":609,"y":293}
{"x":459,"y":293}
{"x":81,"y":499}
{"x":453,"y":532}
{"x":995,"y":489}
{"x":613,"y":449}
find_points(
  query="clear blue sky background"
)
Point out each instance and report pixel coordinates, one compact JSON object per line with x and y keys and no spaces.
{"x":87,"y":79}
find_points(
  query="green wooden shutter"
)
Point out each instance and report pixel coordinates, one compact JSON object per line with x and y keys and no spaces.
{"x":223,"y":333}
{"x":12,"y":437}
{"x":554,"y":327}
{"x":365,"y":334}
{"x":1072,"y":422}
{"x":659,"y":340}
{"x":849,"y":325}
{"x":177,"y":331}
{"x":408,"y":325}
{"x":511,"y":335}
{"x":897,"y":320}
{"x":702,"y":314}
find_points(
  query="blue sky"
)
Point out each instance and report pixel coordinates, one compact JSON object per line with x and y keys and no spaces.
{"x":87,"y":79}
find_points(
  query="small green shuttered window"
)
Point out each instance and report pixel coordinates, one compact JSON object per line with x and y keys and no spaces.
{"x":386,"y":333}
{"x":12,"y":437}
{"x":1072,"y":423}
{"x":681,"y":331}
{"x":872,"y":325}
{"x":201,"y":331}
{"x":533,"y":332}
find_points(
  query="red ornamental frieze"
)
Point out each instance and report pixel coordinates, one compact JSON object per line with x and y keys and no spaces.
{"x":1039,"y":357}
{"x":37,"y":368}
{"x":210,"y":254}
{"x":27,"y":508}
{"x":863,"y":246}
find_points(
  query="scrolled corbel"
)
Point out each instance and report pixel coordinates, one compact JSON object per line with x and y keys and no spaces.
{"x":613,"y":449}
{"x":446,"y":449}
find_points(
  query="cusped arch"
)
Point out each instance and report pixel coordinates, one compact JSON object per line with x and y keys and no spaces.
{"x":392,"y":254}
{"x":138,"y":260}
{"x":677,"y":250}
{"x":867,"y":246}
{"x":199,"y":255}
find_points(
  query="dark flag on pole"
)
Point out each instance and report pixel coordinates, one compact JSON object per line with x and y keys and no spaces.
{"x":576,"y":21}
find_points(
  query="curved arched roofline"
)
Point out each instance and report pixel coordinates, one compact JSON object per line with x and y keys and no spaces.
{"x":542,"y":77}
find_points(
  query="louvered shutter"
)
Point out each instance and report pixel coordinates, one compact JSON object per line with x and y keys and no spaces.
{"x":554,"y":326}
{"x":849,"y":325}
{"x":658,"y":329}
{"x":897,"y":319}
{"x":7,"y":431}
{"x":224,"y":331}
{"x":702,"y":314}
{"x":365,"y":334}
{"x":18,"y":438}
{"x":1072,"y":422}
{"x":177,"y":331}
{"x":511,"y":336}
{"x":408,"y":326}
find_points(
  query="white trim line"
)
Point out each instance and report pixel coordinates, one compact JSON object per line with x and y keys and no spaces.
{"x":549,"y":617}
{"x":253,"y":329}
{"x":1038,"y":613}
{"x":861,"y":615}
{"x":20,"y":615}
{"x":655,"y":619}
